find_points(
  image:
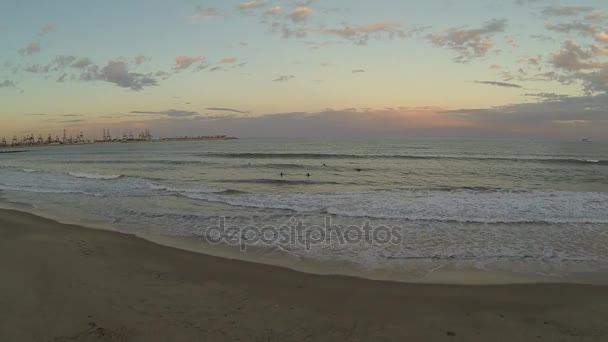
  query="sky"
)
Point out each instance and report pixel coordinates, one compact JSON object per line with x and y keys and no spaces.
{"x":306,"y":68}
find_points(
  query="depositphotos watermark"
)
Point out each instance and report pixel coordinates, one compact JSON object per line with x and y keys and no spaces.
{"x":299,"y":234}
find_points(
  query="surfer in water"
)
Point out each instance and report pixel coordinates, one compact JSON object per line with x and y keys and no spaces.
{"x":281,"y":174}
{"x":308,"y":175}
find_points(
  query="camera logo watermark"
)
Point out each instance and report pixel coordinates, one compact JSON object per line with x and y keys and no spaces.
{"x":299,"y":234}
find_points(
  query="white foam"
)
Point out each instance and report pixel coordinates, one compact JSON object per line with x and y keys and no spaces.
{"x":435,"y":205}
{"x":45,"y":190}
{"x":93,"y":175}
{"x":191,"y":190}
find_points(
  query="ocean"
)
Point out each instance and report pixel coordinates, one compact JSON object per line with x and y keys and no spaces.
{"x":425,"y":210}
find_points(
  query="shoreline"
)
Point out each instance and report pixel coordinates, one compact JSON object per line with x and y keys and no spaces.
{"x":444,"y":275}
{"x":65,"y":282}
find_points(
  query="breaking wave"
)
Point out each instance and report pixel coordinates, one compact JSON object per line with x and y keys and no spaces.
{"x":252,"y":155}
{"x":93,"y":175}
{"x":463,"y":205}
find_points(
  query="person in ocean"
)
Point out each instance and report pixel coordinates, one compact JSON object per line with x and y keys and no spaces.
{"x":281,"y":174}
{"x":308,"y":175}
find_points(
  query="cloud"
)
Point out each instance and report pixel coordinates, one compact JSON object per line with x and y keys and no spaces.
{"x":227,"y":110}
{"x":47,"y":28}
{"x":327,"y":123}
{"x":495,"y":66}
{"x":580,"y":28}
{"x":532,"y":60}
{"x":117,"y":72}
{"x":205,"y":12}
{"x":82,"y":63}
{"x":573,"y":57}
{"x":565,"y":11}
{"x":358,"y":71}
{"x":552,"y":108}
{"x":228,"y":60}
{"x":361,"y":34}
{"x":163,"y":75}
{"x":63,"y":61}
{"x":553,"y":117}
{"x":72,"y":121}
{"x":30,"y":49}
{"x":283,"y":78}
{"x":274,"y":10}
{"x":169,"y":112}
{"x":542,"y":38}
{"x":287,"y":31}
{"x":38,"y":69}
{"x":539,"y":120}
{"x":62,"y":78}
{"x":300,"y":14}
{"x":72,"y":68}
{"x":252,"y":4}
{"x":184,"y":62}
{"x":90,"y":73}
{"x":139,"y":58}
{"x":571,"y":122}
{"x":469,"y":43}
{"x":499,"y":84}
{"x":213,"y":117}
{"x":526,"y":2}
{"x":547,"y":96}
{"x":7,"y":84}
{"x":597,"y":15}
{"x":594,"y":81}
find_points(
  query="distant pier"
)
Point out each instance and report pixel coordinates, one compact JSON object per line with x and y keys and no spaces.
{"x":20,"y":151}
{"x":80,"y":139}
{"x":31,"y":140}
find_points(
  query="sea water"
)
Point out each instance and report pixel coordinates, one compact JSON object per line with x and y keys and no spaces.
{"x":532,"y":210}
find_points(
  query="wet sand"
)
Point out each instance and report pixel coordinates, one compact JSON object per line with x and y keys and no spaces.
{"x":68,"y":283}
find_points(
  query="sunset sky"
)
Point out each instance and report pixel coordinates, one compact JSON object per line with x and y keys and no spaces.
{"x":438,"y":68}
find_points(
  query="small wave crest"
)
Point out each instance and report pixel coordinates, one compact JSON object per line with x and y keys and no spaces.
{"x":159,"y":161}
{"x":277,"y":181}
{"x":270,"y":155}
{"x":277,"y":166}
{"x":46,"y":190}
{"x":196,"y":189}
{"x":490,"y":256}
{"x":93,"y":175}
{"x":487,"y":205}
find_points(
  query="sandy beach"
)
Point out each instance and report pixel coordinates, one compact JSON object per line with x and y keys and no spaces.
{"x":68,"y":283}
